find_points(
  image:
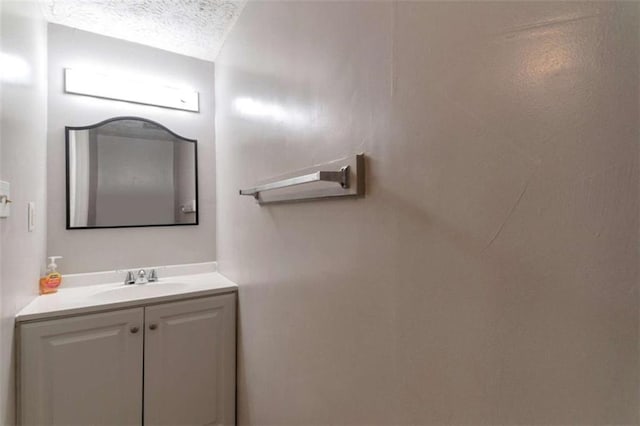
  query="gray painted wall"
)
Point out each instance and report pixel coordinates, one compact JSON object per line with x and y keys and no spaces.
{"x":490,"y":276}
{"x":105,"y":249}
{"x":23,"y":117}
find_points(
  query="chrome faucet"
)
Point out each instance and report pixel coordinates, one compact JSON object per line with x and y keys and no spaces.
{"x":141,"y":277}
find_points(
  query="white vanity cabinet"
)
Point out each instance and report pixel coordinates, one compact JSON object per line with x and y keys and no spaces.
{"x":84,"y":370}
{"x":189,"y":362}
{"x":163,"y":364}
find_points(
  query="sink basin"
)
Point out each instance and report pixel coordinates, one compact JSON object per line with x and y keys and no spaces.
{"x":135,"y":291}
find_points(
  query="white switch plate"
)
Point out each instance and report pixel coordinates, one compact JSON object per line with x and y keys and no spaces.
{"x":5,"y":208}
{"x":31,"y":216}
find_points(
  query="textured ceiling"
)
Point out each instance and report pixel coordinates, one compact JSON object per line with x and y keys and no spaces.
{"x":190,"y":27}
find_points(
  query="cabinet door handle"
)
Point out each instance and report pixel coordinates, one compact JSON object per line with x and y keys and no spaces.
{"x":134,"y":329}
{"x":153,"y":326}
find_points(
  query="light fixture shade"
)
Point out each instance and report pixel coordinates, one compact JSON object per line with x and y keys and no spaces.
{"x":89,"y":83}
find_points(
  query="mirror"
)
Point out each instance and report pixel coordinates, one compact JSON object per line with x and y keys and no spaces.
{"x":128,"y":172}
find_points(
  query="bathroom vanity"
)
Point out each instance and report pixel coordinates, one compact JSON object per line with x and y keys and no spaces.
{"x":110,"y":354}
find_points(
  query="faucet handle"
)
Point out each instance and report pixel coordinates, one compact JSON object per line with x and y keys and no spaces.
{"x":141,"y":277}
{"x":129,"y":279}
{"x":153,"y":276}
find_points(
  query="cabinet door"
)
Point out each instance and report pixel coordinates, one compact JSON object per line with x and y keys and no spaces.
{"x":189,"y":372}
{"x":84,"y":370}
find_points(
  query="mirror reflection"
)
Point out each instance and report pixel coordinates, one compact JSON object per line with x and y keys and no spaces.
{"x":130,"y":171}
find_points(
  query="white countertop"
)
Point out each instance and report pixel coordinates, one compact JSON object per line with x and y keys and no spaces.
{"x":95,"y":298}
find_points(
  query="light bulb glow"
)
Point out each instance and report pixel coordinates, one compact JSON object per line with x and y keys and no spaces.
{"x":258,"y":109}
{"x":14,"y":69}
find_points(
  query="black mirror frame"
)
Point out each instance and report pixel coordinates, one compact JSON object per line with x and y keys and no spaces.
{"x":93,"y":126}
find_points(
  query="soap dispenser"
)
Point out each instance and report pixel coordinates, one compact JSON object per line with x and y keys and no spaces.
{"x":52,"y":279}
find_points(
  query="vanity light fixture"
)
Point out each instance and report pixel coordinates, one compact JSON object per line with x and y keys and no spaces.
{"x":101,"y":85}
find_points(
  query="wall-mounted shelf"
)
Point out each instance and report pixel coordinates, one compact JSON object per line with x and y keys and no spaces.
{"x":340,"y":178}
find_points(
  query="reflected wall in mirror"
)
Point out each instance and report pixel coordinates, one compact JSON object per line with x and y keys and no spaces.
{"x":128,"y":172}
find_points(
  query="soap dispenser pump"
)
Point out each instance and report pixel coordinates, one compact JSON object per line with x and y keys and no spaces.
{"x":52,"y":279}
